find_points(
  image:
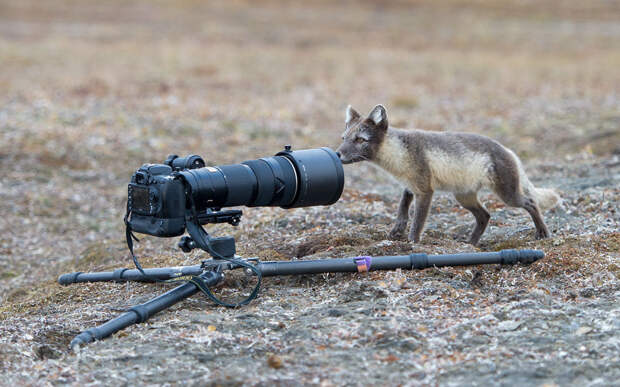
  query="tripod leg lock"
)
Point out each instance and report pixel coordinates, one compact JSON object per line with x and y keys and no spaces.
{"x":141,"y":312}
{"x":419,"y":261}
{"x":363,"y":263}
{"x":118,"y":274}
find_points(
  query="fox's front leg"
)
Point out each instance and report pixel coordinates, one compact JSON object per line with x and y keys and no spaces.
{"x":398,"y":231}
{"x":422,"y":205}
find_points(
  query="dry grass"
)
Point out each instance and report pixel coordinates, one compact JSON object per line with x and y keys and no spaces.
{"x":89,"y":91}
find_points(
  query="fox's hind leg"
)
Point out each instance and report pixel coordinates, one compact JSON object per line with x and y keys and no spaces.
{"x":510,"y":192}
{"x":541,"y":228}
{"x":519,"y":200}
{"x":398,"y":231}
{"x":470,"y":202}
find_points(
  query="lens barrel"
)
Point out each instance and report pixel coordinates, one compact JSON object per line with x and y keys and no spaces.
{"x":320,"y":176}
{"x":290,"y":179}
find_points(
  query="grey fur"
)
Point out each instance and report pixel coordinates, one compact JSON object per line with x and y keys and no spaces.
{"x":424,"y":161}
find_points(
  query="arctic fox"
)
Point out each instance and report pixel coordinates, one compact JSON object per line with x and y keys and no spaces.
{"x":460,"y":163}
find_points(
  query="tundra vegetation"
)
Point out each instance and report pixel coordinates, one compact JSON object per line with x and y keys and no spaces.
{"x":91,"y":90}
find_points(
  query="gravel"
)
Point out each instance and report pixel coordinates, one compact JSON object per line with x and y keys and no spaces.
{"x":92,"y":91}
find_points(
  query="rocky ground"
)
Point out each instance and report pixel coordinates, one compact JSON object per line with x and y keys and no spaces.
{"x":91,"y":91}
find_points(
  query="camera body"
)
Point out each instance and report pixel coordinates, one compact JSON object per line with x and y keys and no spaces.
{"x":156,"y":199}
{"x":160,"y":195}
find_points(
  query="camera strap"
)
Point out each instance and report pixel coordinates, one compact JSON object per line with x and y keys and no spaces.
{"x":203,"y":241}
{"x":130,"y":237}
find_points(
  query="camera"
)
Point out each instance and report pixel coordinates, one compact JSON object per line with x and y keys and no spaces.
{"x":160,"y":195}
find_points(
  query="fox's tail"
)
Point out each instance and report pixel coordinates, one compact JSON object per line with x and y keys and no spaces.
{"x":545,"y":198}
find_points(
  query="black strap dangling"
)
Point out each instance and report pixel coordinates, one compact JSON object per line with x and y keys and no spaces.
{"x":203,"y":241}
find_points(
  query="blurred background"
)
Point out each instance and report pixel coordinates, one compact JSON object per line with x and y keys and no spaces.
{"x":90,"y":90}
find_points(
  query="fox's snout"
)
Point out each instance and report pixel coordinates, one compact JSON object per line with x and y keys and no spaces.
{"x":342,"y":155}
{"x":342,"y":159}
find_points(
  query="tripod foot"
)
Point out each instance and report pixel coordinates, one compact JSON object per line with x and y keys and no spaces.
{"x":140,"y":313}
{"x":83,"y":338}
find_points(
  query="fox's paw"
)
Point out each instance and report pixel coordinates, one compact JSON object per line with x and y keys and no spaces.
{"x":397,"y":232}
{"x":473,"y":241}
{"x":413,"y":237}
{"x":542,"y":233}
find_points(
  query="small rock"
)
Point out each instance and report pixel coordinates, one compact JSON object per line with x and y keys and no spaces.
{"x":583,"y":331}
{"x":488,"y":318}
{"x":335,"y":312}
{"x":205,"y":357}
{"x":47,"y":352}
{"x":541,"y":295}
{"x":275,"y":361}
{"x":247,"y":316}
{"x":509,"y":325}
{"x":278,"y":325}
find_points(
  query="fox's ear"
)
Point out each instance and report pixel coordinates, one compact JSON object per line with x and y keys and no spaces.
{"x":351,"y":115}
{"x":378,"y":116}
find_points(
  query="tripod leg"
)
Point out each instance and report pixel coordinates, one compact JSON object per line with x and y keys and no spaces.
{"x":119,"y":275}
{"x":408,"y":262}
{"x":140,"y":313}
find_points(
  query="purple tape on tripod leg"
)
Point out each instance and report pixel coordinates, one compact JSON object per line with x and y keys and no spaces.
{"x":363,"y":263}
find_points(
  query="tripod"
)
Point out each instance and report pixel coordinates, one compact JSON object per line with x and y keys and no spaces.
{"x":211,"y":272}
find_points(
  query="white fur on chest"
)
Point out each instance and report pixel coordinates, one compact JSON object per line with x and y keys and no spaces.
{"x":394,"y":157}
{"x":461,"y":173}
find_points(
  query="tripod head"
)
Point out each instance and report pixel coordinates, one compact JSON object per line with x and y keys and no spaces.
{"x":225,"y":246}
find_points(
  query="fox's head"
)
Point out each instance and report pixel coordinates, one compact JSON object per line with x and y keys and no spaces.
{"x":362,"y":136}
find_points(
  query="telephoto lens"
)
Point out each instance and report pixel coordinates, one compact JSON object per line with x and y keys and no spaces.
{"x":159,"y":195}
{"x":290,"y":179}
